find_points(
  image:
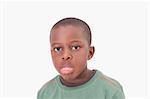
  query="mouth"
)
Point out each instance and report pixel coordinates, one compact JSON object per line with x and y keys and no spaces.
{"x":66,"y":69}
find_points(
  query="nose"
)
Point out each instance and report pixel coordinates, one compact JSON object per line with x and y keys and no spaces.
{"x":67,"y":55}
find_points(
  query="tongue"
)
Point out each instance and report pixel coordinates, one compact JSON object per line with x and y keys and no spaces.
{"x":66,"y":70}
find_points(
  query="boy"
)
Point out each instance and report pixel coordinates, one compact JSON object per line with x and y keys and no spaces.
{"x":70,"y":41}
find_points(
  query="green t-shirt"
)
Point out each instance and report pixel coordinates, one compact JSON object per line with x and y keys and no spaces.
{"x":98,"y":87}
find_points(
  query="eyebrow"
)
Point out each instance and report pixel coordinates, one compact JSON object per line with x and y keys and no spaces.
{"x":57,"y":43}
{"x":74,"y":41}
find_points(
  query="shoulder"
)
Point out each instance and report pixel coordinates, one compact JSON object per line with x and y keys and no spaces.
{"x":110,"y":85}
{"x":108,"y":81}
{"x":47,"y":87}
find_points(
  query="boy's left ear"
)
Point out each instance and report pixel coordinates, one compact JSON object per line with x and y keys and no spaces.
{"x":91,"y":52}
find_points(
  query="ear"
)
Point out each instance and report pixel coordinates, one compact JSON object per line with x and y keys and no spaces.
{"x":91,"y":52}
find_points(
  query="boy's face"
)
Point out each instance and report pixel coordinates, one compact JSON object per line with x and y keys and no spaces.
{"x":70,"y":51}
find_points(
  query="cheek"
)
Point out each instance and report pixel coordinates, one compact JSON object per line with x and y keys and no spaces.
{"x":56,"y":60}
{"x":81,"y":58}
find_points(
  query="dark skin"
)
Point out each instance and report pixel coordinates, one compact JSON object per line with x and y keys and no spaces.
{"x":70,"y":52}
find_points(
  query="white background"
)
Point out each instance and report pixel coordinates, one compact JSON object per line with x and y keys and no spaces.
{"x":120,"y":35}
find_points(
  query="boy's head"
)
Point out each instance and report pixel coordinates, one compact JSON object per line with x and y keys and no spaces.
{"x":70,"y":41}
{"x":77,"y":23}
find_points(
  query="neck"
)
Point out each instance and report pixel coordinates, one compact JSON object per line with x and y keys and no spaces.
{"x":81,"y":79}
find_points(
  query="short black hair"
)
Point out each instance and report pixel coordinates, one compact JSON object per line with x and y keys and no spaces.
{"x":75,"y":22}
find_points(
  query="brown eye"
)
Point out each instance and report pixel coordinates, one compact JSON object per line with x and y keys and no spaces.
{"x":57,"y":49}
{"x":75,"y":47}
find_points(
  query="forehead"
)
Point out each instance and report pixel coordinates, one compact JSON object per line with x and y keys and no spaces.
{"x":66,"y":34}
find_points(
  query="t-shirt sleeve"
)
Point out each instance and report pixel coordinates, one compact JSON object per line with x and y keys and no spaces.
{"x":119,"y":95}
{"x":39,"y":95}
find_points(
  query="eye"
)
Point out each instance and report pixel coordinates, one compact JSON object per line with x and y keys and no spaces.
{"x":57,"y":49}
{"x":75,"y":47}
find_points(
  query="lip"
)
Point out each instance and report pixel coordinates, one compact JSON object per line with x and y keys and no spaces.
{"x":66,"y":69}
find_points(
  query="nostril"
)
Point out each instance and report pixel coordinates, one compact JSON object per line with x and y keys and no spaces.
{"x":66,"y":58}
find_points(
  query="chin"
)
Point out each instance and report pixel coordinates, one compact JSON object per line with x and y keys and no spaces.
{"x":68,"y":77}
